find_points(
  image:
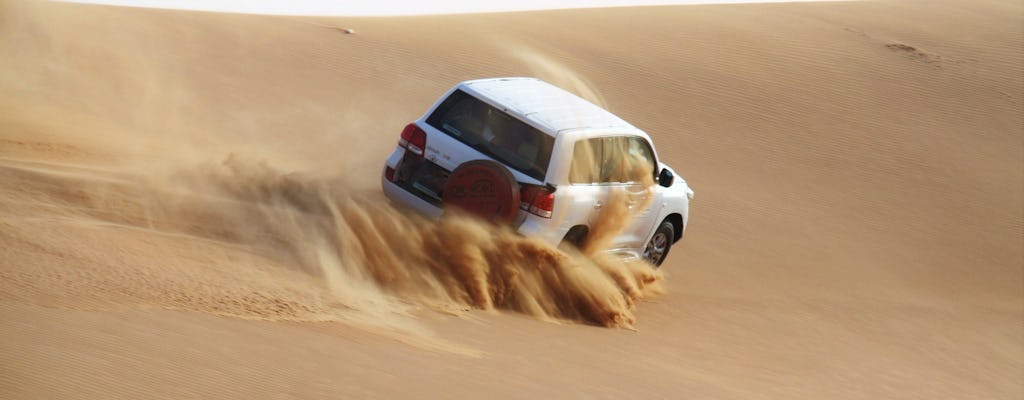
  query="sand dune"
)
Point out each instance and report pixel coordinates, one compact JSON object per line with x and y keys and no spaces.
{"x":189,"y":206}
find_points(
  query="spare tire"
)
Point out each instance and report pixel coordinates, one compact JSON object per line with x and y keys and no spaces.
{"x":483,"y":188}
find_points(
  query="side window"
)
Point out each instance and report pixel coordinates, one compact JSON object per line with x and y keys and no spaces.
{"x":615,"y":166}
{"x":642,"y":158}
{"x":587,"y":156}
{"x":616,"y":159}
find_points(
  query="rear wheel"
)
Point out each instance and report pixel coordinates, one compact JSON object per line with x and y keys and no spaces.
{"x":575,"y":237}
{"x":657,"y":249}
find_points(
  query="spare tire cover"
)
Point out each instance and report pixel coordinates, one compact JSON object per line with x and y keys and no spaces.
{"x":483,"y":188}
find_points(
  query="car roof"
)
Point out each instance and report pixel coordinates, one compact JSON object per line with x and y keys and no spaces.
{"x":545,"y":105}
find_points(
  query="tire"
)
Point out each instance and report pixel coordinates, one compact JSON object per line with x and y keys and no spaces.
{"x":575,"y":237}
{"x":483,"y":188}
{"x":657,"y":249}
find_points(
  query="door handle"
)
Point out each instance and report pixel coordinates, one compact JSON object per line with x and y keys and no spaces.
{"x":598,"y":205}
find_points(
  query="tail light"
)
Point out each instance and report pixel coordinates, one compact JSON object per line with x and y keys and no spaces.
{"x":537,"y":200}
{"x":413,"y":139}
{"x":389,"y":174}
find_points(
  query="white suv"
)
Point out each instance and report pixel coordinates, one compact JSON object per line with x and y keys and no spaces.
{"x":524,"y":152}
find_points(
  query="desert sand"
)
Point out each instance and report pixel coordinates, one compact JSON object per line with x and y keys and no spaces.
{"x":189,"y":206}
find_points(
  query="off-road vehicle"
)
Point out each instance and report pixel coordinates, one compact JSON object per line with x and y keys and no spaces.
{"x":523,"y":152}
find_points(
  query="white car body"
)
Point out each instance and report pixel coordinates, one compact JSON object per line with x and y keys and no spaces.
{"x":567,"y":119}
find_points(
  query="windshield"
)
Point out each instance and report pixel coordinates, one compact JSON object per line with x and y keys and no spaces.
{"x":494,"y":133}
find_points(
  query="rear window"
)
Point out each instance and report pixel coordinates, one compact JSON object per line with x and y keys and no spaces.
{"x":494,"y":133}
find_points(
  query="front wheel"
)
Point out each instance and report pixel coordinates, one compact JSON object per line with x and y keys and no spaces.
{"x":661,"y":242}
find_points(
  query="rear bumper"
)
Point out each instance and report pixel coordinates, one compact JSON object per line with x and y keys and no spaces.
{"x":547,"y":230}
{"x":542,"y":229}
{"x":401,"y":196}
{"x":539,"y":228}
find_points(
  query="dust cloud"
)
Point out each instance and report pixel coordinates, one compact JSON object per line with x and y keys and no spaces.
{"x":548,"y":68}
{"x":365,"y":250}
{"x":335,"y":253}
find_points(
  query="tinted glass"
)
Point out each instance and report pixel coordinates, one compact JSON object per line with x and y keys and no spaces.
{"x":616,"y":159}
{"x":587,"y":156}
{"x":641,"y":159}
{"x":494,"y":133}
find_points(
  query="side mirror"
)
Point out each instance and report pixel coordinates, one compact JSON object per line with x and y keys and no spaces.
{"x":665,"y":178}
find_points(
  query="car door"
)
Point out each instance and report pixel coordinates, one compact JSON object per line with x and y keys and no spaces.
{"x":585,"y":188}
{"x":608,"y":181}
{"x":645,"y":196}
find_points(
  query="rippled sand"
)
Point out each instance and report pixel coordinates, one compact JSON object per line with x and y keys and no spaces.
{"x":189,"y":207}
